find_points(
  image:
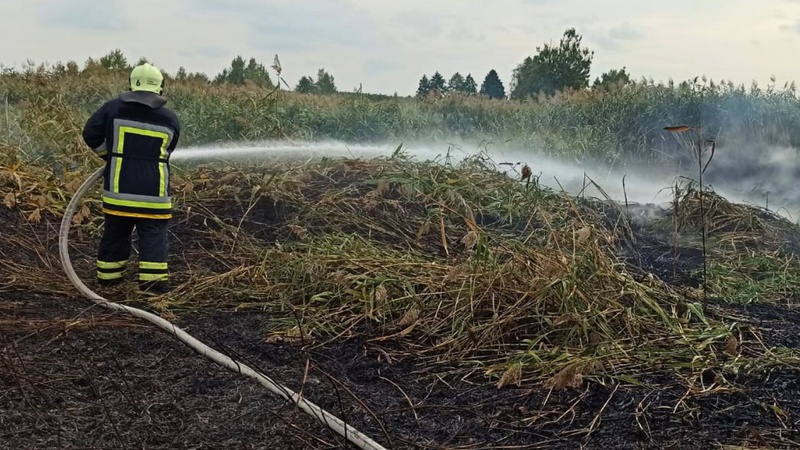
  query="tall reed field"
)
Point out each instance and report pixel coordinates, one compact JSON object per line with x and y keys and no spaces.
{"x":44,"y":109}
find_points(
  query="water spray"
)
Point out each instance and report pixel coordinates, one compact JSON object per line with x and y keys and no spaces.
{"x":278,"y":150}
{"x":643,"y":185}
{"x":324,"y":417}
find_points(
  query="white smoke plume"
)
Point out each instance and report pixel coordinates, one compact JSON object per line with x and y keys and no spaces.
{"x":765,"y":177}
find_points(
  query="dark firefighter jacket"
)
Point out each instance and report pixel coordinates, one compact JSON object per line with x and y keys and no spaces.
{"x":135,"y":134}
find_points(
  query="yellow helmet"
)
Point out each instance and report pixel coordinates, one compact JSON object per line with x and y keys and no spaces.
{"x":147,"y":78}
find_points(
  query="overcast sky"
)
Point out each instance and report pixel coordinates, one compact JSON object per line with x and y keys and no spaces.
{"x":386,"y":46}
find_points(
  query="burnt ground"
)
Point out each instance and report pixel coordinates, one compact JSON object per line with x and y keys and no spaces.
{"x":74,"y":375}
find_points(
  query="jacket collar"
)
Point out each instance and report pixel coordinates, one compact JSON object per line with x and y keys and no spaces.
{"x":145,"y":98}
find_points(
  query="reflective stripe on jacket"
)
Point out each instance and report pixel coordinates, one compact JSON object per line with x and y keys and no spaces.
{"x":136,"y":135}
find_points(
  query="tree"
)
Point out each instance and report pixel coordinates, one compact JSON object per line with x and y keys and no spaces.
{"x":232,"y":75}
{"x":181,"y":74}
{"x":256,"y":73}
{"x":424,"y":86}
{"x":611,"y":79}
{"x":93,"y":66}
{"x":59,"y":68}
{"x":554,"y":68}
{"x":456,"y":83}
{"x":239,"y":72}
{"x":470,"y":86}
{"x":437,"y":83}
{"x":305,"y":85}
{"x":236,"y":74}
{"x":492,"y":87}
{"x":325,"y":84}
{"x":221,"y":77}
{"x":72,"y":68}
{"x":114,"y":60}
{"x":197,"y":78}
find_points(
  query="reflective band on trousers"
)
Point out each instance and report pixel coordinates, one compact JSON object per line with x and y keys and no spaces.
{"x":109,"y":275}
{"x":111,"y":265}
{"x":153,"y":277}
{"x":153,"y":271}
{"x":110,"y":270}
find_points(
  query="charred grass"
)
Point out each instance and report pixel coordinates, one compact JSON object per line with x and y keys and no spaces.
{"x":436,"y":305}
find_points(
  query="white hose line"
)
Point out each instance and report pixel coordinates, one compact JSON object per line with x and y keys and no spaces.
{"x":321,"y":415}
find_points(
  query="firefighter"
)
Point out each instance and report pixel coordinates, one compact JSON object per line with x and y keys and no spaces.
{"x":135,"y":134}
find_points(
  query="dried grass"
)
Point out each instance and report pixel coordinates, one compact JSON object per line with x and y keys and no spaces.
{"x":454,"y":264}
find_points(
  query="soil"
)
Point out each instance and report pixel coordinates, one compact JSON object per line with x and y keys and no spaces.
{"x":74,"y":375}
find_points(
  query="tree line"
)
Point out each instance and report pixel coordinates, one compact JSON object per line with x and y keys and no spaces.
{"x":554,"y":68}
{"x":436,"y":85}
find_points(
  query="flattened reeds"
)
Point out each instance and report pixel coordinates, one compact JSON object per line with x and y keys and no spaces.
{"x":455,"y":264}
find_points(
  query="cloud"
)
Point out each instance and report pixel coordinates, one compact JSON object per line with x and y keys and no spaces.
{"x":625,"y":32}
{"x":421,"y":25}
{"x":206,"y":52}
{"x":380,"y":66}
{"x":282,"y":26}
{"x":466,"y":34}
{"x":793,"y":28}
{"x":84,"y":15}
{"x":606,"y":42}
{"x":612,"y":39}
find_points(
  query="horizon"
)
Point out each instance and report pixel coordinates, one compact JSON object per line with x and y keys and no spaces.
{"x":395,"y":45}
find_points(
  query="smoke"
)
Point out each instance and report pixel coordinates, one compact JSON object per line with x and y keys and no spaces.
{"x":765,"y":176}
{"x":757,"y":175}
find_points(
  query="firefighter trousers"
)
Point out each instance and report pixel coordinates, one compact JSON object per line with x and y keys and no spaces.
{"x":115,"y":249}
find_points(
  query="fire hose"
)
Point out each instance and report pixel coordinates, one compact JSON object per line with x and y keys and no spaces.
{"x":324,"y":417}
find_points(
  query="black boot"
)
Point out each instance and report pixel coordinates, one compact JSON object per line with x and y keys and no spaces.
{"x":110,"y":283}
{"x":155,"y":287}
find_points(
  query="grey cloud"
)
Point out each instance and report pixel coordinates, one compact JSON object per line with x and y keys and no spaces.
{"x":378,"y":66}
{"x":625,"y":32}
{"x":85,"y":15}
{"x":206,"y":52}
{"x":778,"y":14}
{"x":280,"y":26}
{"x":612,"y":40}
{"x":422,"y":25}
{"x":553,"y":28}
{"x":606,"y":42}
{"x":465,"y":33}
{"x":793,"y":28}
